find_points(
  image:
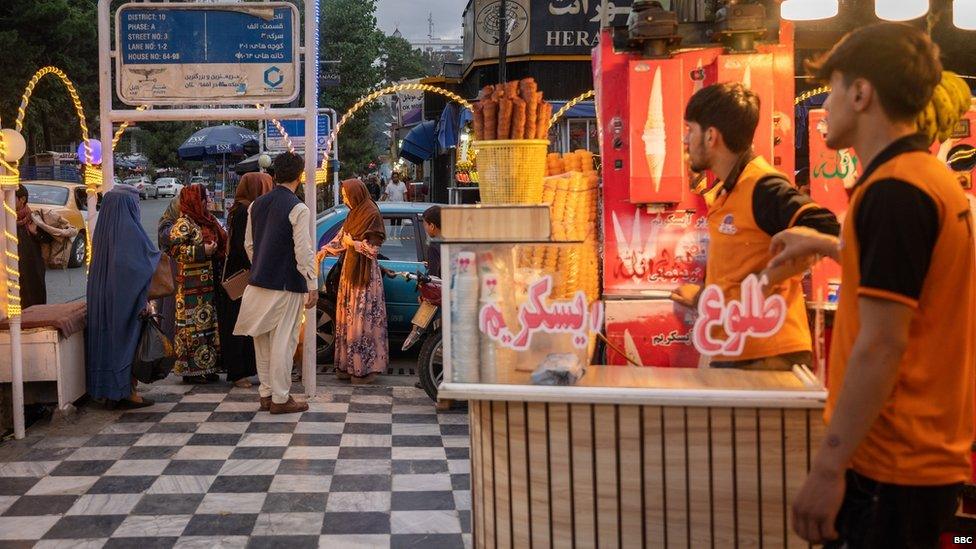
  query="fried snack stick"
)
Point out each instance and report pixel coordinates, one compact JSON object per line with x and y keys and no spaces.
{"x":511,"y":89}
{"x":518,"y":119}
{"x":491,"y":120}
{"x":479,"y":121}
{"x":532,"y":114}
{"x":542,"y":121}
{"x":505,"y":107}
{"x":486,"y":93}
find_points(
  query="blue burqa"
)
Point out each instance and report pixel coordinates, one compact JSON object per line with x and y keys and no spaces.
{"x":122,"y":266}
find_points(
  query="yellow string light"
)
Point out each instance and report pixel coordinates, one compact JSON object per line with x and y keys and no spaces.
{"x":9,"y":181}
{"x":569,"y":105}
{"x":92,"y":181}
{"x":811,"y":93}
{"x":367,"y":99}
{"x":284,"y":134}
{"x":125,"y":125}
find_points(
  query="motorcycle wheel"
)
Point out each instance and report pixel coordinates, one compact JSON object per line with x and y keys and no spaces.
{"x":325,"y":332}
{"x":431,"y":364}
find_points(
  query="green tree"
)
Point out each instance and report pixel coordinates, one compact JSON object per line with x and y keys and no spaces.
{"x":399,"y":61}
{"x":349,"y":35}
{"x":36,"y":33}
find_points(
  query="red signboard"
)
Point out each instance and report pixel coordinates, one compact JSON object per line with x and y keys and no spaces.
{"x":657,"y":165}
{"x":657,"y":331}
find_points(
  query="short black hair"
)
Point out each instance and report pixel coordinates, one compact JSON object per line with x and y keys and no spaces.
{"x":432,"y":215}
{"x":899,"y":60}
{"x":21,"y":192}
{"x":288,"y":167}
{"x":730,"y":108}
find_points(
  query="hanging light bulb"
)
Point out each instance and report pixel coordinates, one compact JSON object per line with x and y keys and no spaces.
{"x":900,"y":10}
{"x":964,"y":14}
{"x":808,"y":10}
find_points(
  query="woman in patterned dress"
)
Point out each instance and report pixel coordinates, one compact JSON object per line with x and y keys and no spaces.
{"x":362,"y":350}
{"x":196,"y":240}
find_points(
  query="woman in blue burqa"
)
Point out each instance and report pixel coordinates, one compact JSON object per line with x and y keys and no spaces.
{"x":122,"y":266}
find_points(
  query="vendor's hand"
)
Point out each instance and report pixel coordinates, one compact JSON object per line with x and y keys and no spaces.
{"x":817,"y":504}
{"x":798,"y":244}
{"x":311,"y":298}
{"x":209,"y":248}
{"x":347,"y":241}
{"x":687,"y":295}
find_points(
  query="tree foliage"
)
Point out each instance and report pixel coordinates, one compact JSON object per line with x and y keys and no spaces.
{"x":399,"y":61}
{"x":349,"y":35}
{"x":36,"y":33}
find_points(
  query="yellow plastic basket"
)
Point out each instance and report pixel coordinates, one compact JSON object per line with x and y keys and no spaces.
{"x":510,"y":171}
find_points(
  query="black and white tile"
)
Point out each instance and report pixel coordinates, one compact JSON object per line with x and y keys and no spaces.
{"x":364,"y":467}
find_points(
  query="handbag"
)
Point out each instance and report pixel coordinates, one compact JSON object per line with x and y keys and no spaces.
{"x":235,"y":284}
{"x":163,"y":283}
{"x":155,"y":357}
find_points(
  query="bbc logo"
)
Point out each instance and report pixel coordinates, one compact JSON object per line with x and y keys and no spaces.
{"x":962,"y":539}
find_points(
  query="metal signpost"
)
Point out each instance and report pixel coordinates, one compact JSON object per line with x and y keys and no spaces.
{"x":202,"y":54}
{"x":221,"y":54}
{"x":275,"y":142}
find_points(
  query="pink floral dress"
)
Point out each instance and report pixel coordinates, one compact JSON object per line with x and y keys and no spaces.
{"x":361,"y":345}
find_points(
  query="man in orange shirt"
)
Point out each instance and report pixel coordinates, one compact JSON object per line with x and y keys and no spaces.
{"x":903,"y":358}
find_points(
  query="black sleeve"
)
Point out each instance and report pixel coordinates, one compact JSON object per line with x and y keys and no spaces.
{"x":434,"y":260}
{"x":897,"y":225}
{"x":775,"y":203}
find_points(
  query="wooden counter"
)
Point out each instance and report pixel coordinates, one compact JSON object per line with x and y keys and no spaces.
{"x":715,"y":464}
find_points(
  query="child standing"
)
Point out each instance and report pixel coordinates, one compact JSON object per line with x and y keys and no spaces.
{"x":432,"y":224}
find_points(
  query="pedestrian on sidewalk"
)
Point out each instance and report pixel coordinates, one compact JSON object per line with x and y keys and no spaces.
{"x":166,"y":306}
{"x":899,"y":410}
{"x":238,"y":351}
{"x":362,"y":350}
{"x":283,"y":283}
{"x":122,"y":266}
{"x":199,"y":244}
{"x":30,"y":261}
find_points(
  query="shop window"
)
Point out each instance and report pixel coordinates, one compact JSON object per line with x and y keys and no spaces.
{"x":577,"y":134}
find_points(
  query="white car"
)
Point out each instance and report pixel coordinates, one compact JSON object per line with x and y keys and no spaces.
{"x":168,"y":187}
{"x":145,"y":188}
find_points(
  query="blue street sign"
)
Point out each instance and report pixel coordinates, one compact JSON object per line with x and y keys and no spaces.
{"x":200,"y":53}
{"x":186,"y":36}
{"x":296,"y":131}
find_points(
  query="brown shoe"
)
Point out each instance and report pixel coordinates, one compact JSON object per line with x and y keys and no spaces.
{"x":290,"y":407}
{"x":365,"y":380}
{"x":265,"y":404}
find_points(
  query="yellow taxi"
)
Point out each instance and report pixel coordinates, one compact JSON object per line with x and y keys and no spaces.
{"x":68,"y":200}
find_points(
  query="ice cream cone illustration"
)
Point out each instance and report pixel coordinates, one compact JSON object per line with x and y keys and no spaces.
{"x":630,"y":347}
{"x":747,"y":78}
{"x":700,"y":77}
{"x":655,"y":145}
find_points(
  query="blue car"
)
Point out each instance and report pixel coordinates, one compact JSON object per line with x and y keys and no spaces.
{"x":405,"y":250}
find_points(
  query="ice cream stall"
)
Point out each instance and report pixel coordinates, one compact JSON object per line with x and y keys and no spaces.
{"x":637,"y":445}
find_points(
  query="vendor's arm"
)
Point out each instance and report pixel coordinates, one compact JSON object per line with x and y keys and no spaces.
{"x":897,"y":226}
{"x":184,"y":244}
{"x":778,"y":206}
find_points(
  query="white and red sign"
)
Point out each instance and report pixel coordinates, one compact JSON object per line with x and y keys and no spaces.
{"x":752,"y":315}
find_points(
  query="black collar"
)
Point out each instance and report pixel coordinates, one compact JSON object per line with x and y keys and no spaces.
{"x":730,"y":181}
{"x":910,"y":143}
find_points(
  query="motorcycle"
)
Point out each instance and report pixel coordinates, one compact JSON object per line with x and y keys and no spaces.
{"x":427,"y":327}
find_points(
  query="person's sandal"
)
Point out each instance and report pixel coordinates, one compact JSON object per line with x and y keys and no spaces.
{"x":265,"y":404}
{"x":243,"y":383}
{"x":365,"y":380}
{"x":290,"y":407}
{"x":127,"y":404}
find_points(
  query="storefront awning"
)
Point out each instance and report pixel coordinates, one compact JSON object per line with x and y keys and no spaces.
{"x":420,"y":142}
{"x":583,"y":109}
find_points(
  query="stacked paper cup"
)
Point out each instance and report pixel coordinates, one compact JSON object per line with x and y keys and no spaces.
{"x":464,"y":320}
{"x":490,"y":294}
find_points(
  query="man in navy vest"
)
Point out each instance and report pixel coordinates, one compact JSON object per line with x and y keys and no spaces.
{"x":282,"y":284}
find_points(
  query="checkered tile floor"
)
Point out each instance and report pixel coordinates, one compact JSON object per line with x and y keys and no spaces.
{"x":364,"y":467}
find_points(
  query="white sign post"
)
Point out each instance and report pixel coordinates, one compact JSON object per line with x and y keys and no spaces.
{"x":243,"y":89}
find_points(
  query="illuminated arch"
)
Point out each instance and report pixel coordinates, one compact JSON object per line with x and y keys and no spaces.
{"x":75,"y":99}
{"x":367,"y":99}
{"x":569,"y":105}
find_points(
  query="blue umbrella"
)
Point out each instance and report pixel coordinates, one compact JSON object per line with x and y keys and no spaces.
{"x":420,"y":143}
{"x":217,"y":141}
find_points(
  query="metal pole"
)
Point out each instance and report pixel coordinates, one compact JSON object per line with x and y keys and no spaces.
{"x":13,"y":293}
{"x":104,"y":115}
{"x":502,"y":41}
{"x":311,"y":164}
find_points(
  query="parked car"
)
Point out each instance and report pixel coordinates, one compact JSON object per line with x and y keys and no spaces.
{"x":145,"y":188}
{"x":68,"y":200}
{"x":199,"y":179}
{"x":168,"y":187}
{"x":405,"y":250}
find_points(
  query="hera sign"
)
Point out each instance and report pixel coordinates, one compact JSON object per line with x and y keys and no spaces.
{"x":227,"y":54}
